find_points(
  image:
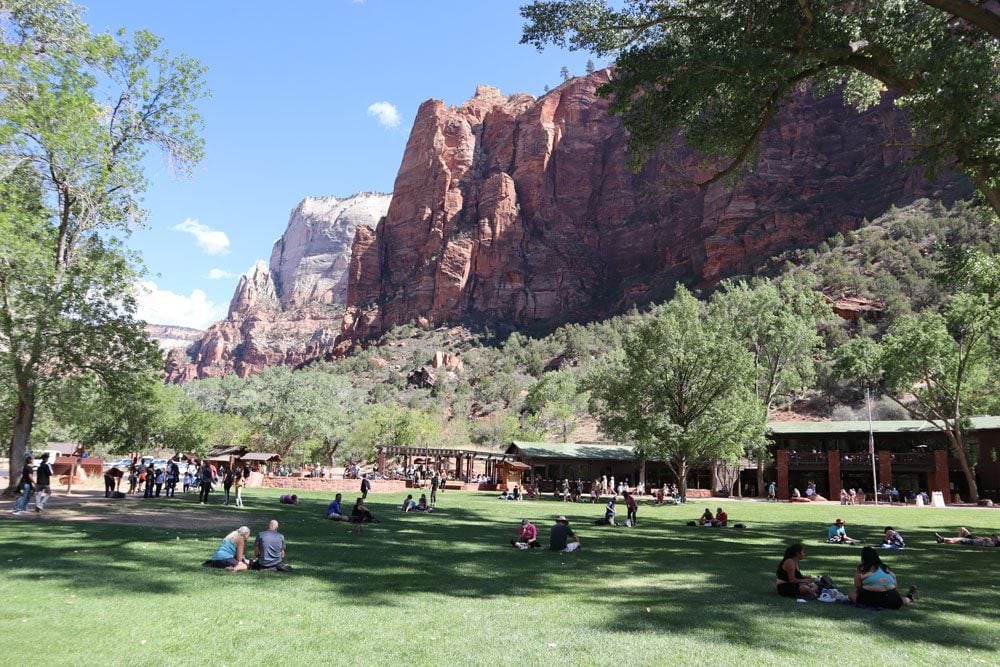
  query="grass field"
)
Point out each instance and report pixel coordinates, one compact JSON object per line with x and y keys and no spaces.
{"x":448,"y":589}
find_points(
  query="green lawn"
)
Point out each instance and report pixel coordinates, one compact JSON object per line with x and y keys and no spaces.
{"x":448,"y":589}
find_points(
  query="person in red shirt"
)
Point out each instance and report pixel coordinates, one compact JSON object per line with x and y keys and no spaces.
{"x":528,"y":536}
{"x":721,"y":518}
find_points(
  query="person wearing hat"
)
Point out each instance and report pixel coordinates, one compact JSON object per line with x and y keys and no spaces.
{"x":838,"y":534}
{"x":562,"y":538}
{"x":527,"y":537}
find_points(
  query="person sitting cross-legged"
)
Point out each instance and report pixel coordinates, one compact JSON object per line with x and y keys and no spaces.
{"x":790,"y":581}
{"x":562,"y":538}
{"x":892,"y":539}
{"x":408,"y":503}
{"x":335,"y":512}
{"x":527,"y":536}
{"x":269,"y":549}
{"x":229,"y":555}
{"x":875,"y":584}
{"x":837,"y":534}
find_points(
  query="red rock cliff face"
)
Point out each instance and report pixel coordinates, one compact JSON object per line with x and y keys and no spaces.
{"x":515,"y":211}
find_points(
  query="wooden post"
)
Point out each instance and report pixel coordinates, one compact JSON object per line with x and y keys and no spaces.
{"x":72,"y":474}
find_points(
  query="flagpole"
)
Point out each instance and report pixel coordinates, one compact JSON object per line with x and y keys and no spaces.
{"x":871,"y":443}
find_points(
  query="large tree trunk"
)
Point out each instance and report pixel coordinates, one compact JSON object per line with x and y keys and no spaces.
{"x":760,"y":478}
{"x":958,"y":445}
{"x":24,"y":419}
{"x":682,"y":478}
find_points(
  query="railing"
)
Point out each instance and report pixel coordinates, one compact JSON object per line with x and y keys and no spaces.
{"x":913,"y":458}
{"x":797,"y":459}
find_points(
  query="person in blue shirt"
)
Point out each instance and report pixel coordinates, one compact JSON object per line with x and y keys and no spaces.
{"x":333,"y":511}
{"x":875,"y":584}
{"x":229,"y":555}
{"x":837,"y":534}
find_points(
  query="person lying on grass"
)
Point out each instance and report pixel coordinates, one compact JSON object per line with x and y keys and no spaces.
{"x":229,"y":555}
{"x":875,"y":584}
{"x":837,"y":534}
{"x":527,"y":536}
{"x":790,"y":580}
{"x":892,"y":539}
{"x":289,"y":499}
{"x":966,"y":537}
{"x":335,"y":512}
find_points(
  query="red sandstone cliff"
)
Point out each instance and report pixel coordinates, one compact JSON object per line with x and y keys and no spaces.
{"x":290,"y":311}
{"x":514,"y":211}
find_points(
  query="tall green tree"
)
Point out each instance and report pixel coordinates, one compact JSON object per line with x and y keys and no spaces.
{"x":681,"y":389}
{"x":777,"y":324}
{"x":392,"y":424}
{"x":720,"y":70}
{"x":78,"y":114}
{"x":941,"y":368}
{"x":291,"y":412}
{"x":554,"y":402}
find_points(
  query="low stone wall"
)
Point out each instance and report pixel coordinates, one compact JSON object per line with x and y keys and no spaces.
{"x":334,"y":485}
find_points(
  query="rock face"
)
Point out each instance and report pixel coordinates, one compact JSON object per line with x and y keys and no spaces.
{"x":290,"y":311}
{"x":513,"y":211}
{"x":172,"y":337}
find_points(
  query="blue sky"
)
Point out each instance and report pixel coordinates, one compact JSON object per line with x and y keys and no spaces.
{"x":292,"y":84}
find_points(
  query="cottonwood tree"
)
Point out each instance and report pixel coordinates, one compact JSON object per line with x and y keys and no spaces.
{"x":78,"y":114}
{"x":777,"y":324}
{"x":681,"y":388}
{"x":720,"y":70}
{"x":554,"y":402}
{"x":940,"y":367}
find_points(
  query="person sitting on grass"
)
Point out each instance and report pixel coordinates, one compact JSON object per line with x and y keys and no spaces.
{"x":706,"y":518}
{"x":837,"y":534}
{"x":562,"y":538}
{"x":892,"y":539}
{"x":721,"y":519}
{"x":790,"y":581}
{"x":334,"y":512}
{"x":967,"y":538}
{"x":610,"y":511}
{"x":289,"y":499}
{"x":875,"y":584}
{"x":422,"y":505}
{"x":527,"y":536}
{"x":229,"y":555}
{"x":269,"y":549}
{"x":408,"y":504}
{"x":361,"y":514}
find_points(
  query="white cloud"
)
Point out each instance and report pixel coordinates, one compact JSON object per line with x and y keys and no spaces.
{"x":387,"y":114}
{"x":219,"y":274}
{"x":158,"y":306}
{"x":212,"y":241}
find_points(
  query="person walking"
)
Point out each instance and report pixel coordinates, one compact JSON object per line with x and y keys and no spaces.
{"x":227,"y":483}
{"x":366,"y":486}
{"x":206,"y":483}
{"x":43,"y":483}
{"x":25,"y":485}
{"x":238,"y":483}
{"x":435,"y":483}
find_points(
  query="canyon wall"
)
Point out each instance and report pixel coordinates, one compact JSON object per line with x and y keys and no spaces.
{"x":513,"y":211}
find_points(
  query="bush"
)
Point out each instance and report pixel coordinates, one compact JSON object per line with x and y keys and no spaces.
{"x":844,"y":413}
{"x":885,"y":409}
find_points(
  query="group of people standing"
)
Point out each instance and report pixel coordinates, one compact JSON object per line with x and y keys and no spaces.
{"x":34,"y":482}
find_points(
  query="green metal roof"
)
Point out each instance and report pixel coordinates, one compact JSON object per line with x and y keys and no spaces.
{"x":896,"y":426}
{"x":571,"y":450}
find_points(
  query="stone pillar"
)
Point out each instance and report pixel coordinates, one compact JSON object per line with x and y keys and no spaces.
{"x":885,"y":467}
{"x":833,"y":470}
{"x":782,"y":467}
{"x":939,"y":479}
{"x":458,"y":465}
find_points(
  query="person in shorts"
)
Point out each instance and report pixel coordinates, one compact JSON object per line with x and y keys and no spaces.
{"x":967,"y":538}
{"x":562,"y":538}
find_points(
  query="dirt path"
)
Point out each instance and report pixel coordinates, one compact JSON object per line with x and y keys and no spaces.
{"x":91,"y":506}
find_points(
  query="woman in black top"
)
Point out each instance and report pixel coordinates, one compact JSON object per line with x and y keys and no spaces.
{"x":791,"y":583}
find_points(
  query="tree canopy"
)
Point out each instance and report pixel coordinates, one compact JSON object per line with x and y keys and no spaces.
{"x":78,"y":114}
{"x":681,"y":389}
{"x":719,"y":70}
